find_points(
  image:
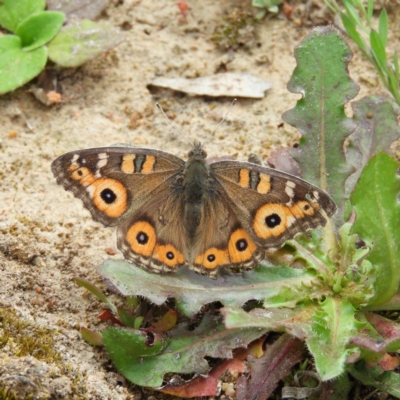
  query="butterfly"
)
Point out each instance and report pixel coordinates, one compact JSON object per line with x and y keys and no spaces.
{"x":170,"y":213}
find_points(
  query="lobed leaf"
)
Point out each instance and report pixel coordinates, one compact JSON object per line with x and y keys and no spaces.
{"x":81,"y":41}
{"x":18,"y":67}
{"x":333,"y":326}
{"x":192,"y":291}
{"x":12,"y":12}
{"x":183,"y":352}
{"x":377,"y":207}
{"x":38,"y":29}
{"x":377,"y":128}
{"x":321,"y":76}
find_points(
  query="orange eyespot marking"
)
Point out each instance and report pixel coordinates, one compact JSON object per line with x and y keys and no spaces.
{"x":141,"y":236}
{"x":272,"y":220}
{"x":148,"y":165}
{"x":264,"y":186}
{"x":212,"y":258}
{"x":240,"y":247}
{"x":244,"y":178}
{"x":81,"y":174}
{"x":302,"y":208}
{"x":128,"y":163}
{"x":110,"y":196}
{"x":168,"y":255}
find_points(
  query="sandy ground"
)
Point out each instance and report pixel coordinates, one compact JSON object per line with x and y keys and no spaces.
{"x":47,"y":237}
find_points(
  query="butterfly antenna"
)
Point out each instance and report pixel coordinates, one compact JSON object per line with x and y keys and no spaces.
{"x":222,"y":120}
{"x":171,"y":123}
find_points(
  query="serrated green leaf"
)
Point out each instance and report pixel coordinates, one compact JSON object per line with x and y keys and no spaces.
{"x":383,"y":27}
{"x":377,"y":128}
{"x":388,"y":381}
{"x":183,"y":352}
{"x":16,"y":66}
{"x":81,"y":41}
{"x":322,"y":78}
{"x":192,"y":290}
{"x":12,"y":12}
{"x":333,"y":326}
{"x":38,"y":29}
{"x":375,"y":201}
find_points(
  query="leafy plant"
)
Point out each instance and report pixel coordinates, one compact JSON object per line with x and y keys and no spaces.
{"x":357,"y":20}
{"x":38,"y":35}
{"x":266,"y":6}
{"x":325,"y":287}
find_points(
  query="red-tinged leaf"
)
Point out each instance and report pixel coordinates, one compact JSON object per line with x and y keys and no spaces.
{"x":107,"y":315}
{"x":274,"y":365}
{"x":208,"y":386}
{"x":386,"y":328}
{"x":93,"y":338}
{"x":388,"y":362}
{"x":166,"y":323}
{"x":281,"y":159}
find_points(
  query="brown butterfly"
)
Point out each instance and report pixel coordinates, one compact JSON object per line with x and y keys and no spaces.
{"x":171,"y":213}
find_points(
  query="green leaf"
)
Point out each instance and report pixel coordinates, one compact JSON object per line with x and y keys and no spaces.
{"x":183,"y":352}
{"x":91,"y":337}
{"x":351,"y":30}
{"x":192,"y":290}
{"x":332,"y":328}
{"x":388,"y":381}
{"x":375,"y":201}
{"x":322,"y":78}
{"x":16,"y":66}
{"x":12,"y":12}
{"x":38,"y":29}
{"x":377,"y":128}
{"x":378,"y":49}
{"x":97,"y":292}
{"x":370,"y":10}
{"x":81,"y":41}
{"x":296,"y":321}
{"x":396,"y":66}
{"x":383,"y":27}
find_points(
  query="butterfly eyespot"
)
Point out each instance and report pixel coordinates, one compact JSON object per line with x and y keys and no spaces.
{"x":273,"y":220}
{"x":211,"y":258}
{"x":170,"y":255}
{"x":241,"y":245}
{"x":241,"y":248}
{"x":142,"y":238}
{"x":108,"y":196}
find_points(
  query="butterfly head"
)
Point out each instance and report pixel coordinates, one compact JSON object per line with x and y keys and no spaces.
{"x":197,"y":153}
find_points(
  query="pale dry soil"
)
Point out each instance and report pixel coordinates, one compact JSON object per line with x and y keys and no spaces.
{"x":47,"y":237}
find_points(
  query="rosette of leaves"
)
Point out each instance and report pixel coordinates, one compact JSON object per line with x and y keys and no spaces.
{"x":38,"y":35}
{"x":322,"y":290}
